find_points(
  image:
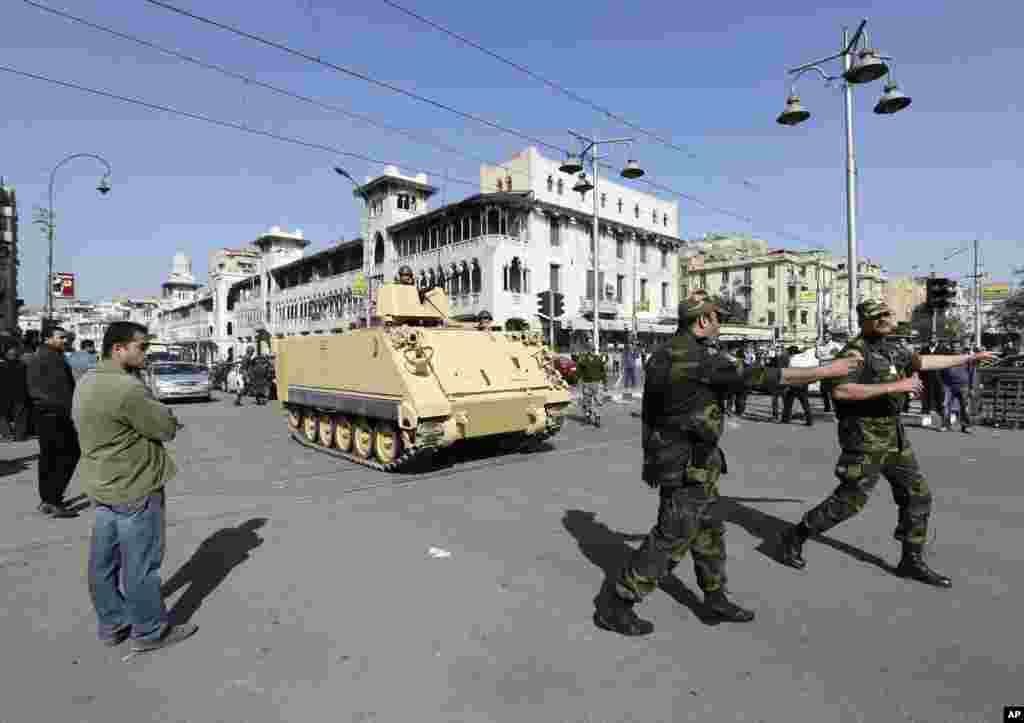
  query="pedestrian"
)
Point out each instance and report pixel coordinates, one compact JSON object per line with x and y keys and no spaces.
{"x":826,"y":352}
{"x":780,"y":361}
{"x":14,"y":409}
{"x":873,"y":443}
{"x":484,"y":320}
{"x":796,"y":392}
{"x":959,"y":381}
{"x":629,"y":368}
{"x":260,"y":372}
{"x":244,"y":374}
{"x":51,"y":386}
{"x":682,"y":424}
{"x":124,"y":470}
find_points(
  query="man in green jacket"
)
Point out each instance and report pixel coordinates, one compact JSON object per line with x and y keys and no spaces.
{"x":123,"y":469}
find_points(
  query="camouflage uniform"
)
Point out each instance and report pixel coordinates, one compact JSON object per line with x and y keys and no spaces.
{"x":873,"y":443}
{"x":682,"y":425}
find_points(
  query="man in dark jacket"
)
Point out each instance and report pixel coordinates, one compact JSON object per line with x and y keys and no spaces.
{"x":781,"y":361}
{"x":960,"y":382}
{"x":682,"y":425}
{"x":51,"y":386}
{"x":14,"y":395}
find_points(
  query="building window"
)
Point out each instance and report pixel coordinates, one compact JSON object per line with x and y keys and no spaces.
{"x":664,"y":295}
{"x":620,"y":205}
{"x":406,"y":202}
{"x":803,"y":318}
{"x":551,"y":184}
{"x":664,"y":258}
{"x":477,"y":277}
{"x":748,"y":277}
{"x":620,"y":283}
{"x":771,"y":271}
{"x":642,"y":246}
{"x":725,"y":278}
{"x":620,"y":247}
{"x":560,"y":186}
{"x":664,"y":220}
{"x":636,"y":210}
{"x":703,"y":280}
{"x":553,"y":225}
{"x":604,"y":197}
{"x":771,"y":318}
{"x":508,"y":182}
{"x":803,"y":271}
{"x":771,"y":294}
{"x":501,"y":185}
{"x":654,"y":215}
{"x":554,"y":278}
{"x":791,"y":293}
{"x":643,"y":291}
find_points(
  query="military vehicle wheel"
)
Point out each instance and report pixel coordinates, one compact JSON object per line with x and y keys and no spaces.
{"x":343,"y":433}
{"x":325,"y":428}
{"x":362,"y":438}
{"x":309,"y":427}
{"x":386,"y":443}
{"x":294,"y":420}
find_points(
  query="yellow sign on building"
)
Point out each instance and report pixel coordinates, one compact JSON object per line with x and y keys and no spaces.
{"x":995,"y":292}
{"x":808,"y":297}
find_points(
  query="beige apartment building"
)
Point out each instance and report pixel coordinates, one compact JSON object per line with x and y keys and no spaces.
{"x":902,"y":294}
{"x":791,"y":291}
{"x":871,"y":284}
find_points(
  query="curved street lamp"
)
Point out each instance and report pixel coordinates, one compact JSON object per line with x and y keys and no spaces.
{"x":572,"y":165}
{"x":367,"y":268}
{"x":861,"y":64}
{"x":103,"y":187}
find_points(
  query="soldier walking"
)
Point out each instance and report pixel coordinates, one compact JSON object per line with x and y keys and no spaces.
{"x":874,"y":443}
{"x":682,"y":423}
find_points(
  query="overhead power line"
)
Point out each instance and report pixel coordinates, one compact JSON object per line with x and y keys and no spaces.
{"x":226,"y":124}
{"x":354,"y":74}
{"x":463,"y":114}
{"x":248,"y":80}
{"x":554,"y":85}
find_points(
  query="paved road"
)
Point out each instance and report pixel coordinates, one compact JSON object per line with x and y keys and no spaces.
{"x":317,"y":600}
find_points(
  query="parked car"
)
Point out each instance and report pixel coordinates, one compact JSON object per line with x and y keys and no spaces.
{"x":566,"y":367}
{"x":178,"y":380}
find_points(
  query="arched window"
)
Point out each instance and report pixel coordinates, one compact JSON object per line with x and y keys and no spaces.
{"x":620,"y":205}
{"x":477,"y":277}
{"x":508,"y":182}
{"x":453,"y":281}
{"x":230,"y":328}
{"x":560,"y":186}
{"x":474,"y":225}
{"x":493,"y":221}
{"x":551,"y":183}
{"x":515,"y":276}
{"x":501,"y":185}
{"x":378,"y":249}
{"x":423,"y":279}
{"x":431,"y":279}
{"x":442,"y":280}
{"x":464,"y":281}
{"x":458,"y":230}
{"x":636,"y":210}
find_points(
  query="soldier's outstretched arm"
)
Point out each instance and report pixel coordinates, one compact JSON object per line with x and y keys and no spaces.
{"x":837,"y":369}
{"x":934,"y":362}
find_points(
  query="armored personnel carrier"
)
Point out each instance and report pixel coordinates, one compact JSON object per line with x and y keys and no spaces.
{"x":389,"y":395}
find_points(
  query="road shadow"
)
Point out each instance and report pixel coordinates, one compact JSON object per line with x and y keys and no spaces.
{"x":16,"y":465}
{"x":211,"y":563}
{"x":769,"y":529}
{"x":607,"y":549}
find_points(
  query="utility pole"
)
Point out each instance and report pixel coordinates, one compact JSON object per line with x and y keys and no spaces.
{"x":977,"y":299}
{"x":934,"y":317}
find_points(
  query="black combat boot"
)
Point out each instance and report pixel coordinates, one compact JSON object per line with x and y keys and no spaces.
{"x":791,"y":546}
{"x":913,"y":566}
{"x":617,"y":615}
{"x":722,"y":607}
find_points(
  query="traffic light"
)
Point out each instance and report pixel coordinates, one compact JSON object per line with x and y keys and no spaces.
{"x":544,"y":303}
{"x":940,"y":293}
{"x":559,"y":304}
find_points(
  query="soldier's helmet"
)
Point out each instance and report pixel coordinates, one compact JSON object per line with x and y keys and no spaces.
{"x":698,"y":304}
{"x":872,"y":309}
{"x":484,"y":316}
{"x":405,"y":275}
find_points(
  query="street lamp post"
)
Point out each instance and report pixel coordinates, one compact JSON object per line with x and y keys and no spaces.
{"x":103,"y":187}
{"x":861,"y":64}
{"x":574,"y":164}
{"x":365,"y":228}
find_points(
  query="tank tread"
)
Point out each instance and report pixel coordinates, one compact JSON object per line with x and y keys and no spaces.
{"x":406,"y":461}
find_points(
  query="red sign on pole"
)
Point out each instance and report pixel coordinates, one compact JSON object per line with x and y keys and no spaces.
{"x":63,"y":285}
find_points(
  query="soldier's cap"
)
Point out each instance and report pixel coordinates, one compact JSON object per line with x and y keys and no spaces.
{"x":872,"y":309}
{"x":485,"y":314}
{"x":698,"y":304}
{"x":403,"y":270}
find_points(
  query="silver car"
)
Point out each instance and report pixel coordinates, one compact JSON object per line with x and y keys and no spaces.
{"x":178,"y":380}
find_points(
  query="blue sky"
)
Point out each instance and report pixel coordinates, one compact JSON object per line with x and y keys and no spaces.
{"x":708,"y":75}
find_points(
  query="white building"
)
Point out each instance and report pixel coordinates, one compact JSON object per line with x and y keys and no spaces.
{"x":495,"y":250}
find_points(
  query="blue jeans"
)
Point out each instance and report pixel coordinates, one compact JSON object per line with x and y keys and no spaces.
{"x":125,"y":555}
